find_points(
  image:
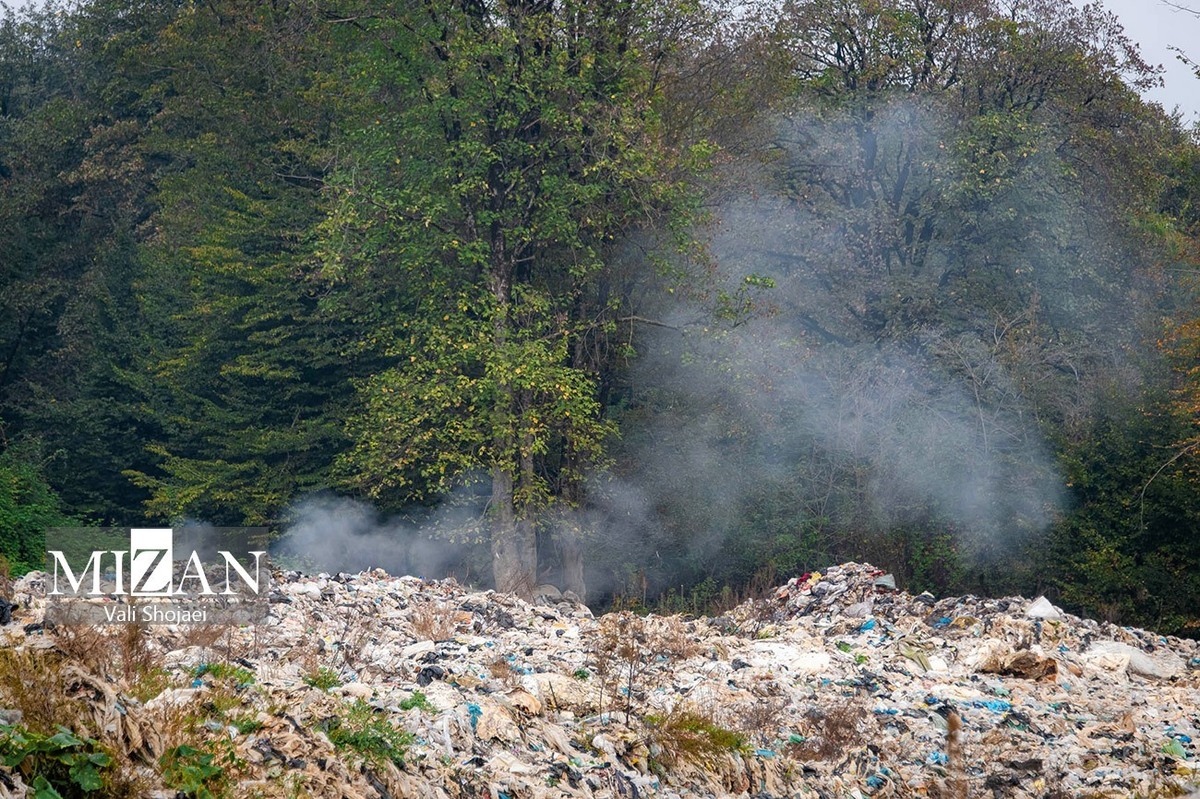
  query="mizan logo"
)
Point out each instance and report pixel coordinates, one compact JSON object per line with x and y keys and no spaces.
{"x":178,"y":584}
{"x":151,"y":569}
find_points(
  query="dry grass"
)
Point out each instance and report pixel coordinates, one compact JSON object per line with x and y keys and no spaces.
{"x":202,"y":635}
{"x":356,"y":635}
{"x":32,"y":683}
{"x":671,"y":636}
{"x":621,"y":656}
{"x":759,"y":719}
{"x":6,"y":580}
{"x":432,"y":621}
{"x":831,"y":732}
{"x":50,"y":689}
{"x":123,"y":654}
{"x":954,"y":784}
{"x":503,"y":671}
{"x":630,"y":653}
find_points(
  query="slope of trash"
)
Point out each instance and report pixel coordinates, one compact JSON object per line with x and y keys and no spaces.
{"x":368,"y":685}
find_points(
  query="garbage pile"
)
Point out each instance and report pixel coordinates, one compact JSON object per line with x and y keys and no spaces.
{"x":838,"y":685}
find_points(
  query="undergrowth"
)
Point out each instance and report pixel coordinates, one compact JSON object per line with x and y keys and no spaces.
{"x":369,"y":735}
{"x":61,"y":765}
{"x":690,"y":735}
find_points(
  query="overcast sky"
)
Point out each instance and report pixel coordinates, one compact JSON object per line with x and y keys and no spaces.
{"x":1156,"y":27}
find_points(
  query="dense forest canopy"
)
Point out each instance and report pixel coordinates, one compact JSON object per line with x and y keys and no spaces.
{"x":654,"y":301}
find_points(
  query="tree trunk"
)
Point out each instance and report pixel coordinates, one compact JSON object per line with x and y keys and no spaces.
{"x":506,"y":558}
{"x":514,"y":544}
{"x":571,"y":550}
{"x":569,"y":535}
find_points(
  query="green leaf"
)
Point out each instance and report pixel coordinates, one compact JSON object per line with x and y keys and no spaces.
{"x":86,"y":776}
{"x":44,"y":790}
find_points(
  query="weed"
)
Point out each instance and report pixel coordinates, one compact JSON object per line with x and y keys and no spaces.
{"x":133,"y":650}
{"x":502,"y":670}
{"x":221,"y":701}
{"x":245,"y":725}
{"x":54,"y":764}
{"x":323,"y":678}
{"x":690,"y":735}
{"x":756,"y":618}
{"x":33,"y":683}
{"x":833,"y":731}
{"x":84,"y":645}
{"x":225,"y":671}
{"x":672,"y":637}
{"x":6,"y":581}
{"x":760,"y":718}
{"x":193,"y":773}
{"x":357,"y":631}
{"x":202,"y":635}
{"x":369,"y":735}
{"x":630,"y":650}
{"x":417,"y":700}
{"x":149,"y":683}
{"x":581,"y":674}
{"x":433,"y":622}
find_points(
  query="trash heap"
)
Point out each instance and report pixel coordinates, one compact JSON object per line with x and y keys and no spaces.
{"x":368,"y":685}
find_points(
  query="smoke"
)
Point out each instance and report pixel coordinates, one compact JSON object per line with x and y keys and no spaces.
{"x":924,"y":330}
{"x":336,"y":534}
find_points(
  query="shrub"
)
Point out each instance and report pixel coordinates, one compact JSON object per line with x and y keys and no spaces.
{"x":690,"y":735}
{"x":369,"y":735}
{"x":58,"y":765}
{"x":323,"y":678}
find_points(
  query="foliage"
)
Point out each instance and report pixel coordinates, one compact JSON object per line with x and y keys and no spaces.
{"x":55,"y":766}
{"x":692,"y":292}
{"x":193,"y":772}
{"x":368,"y":734}
{"x":323,"y":678}
{"x":512,"y":142}
{"x":1125,"y":541}
{"x":28,"y":506}
{"x":246,"y":375}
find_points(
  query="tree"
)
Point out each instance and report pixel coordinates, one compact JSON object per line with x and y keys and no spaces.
{"x":953,"y":216}
{"x":247,"y":375}
{"x":512,"y":143}
{"x":73,"y":196}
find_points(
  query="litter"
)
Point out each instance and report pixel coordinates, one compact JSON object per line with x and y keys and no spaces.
{"x":840,"y":685}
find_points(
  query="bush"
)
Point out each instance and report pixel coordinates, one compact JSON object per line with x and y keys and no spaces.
{"x":369,"y":735}
{"x":58,"y":765}
{"x":28,"y":506}
{"x":690,"y":735}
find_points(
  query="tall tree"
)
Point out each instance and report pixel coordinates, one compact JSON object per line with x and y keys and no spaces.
{"x":247,"y":374}
{"x":74,"y":195}
{"x":512,"y":142}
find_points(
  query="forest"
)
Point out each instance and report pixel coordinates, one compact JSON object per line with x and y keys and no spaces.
{"x":659,"y":301}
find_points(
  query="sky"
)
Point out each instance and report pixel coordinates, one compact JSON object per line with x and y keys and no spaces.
{"x":1156,"y":27}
